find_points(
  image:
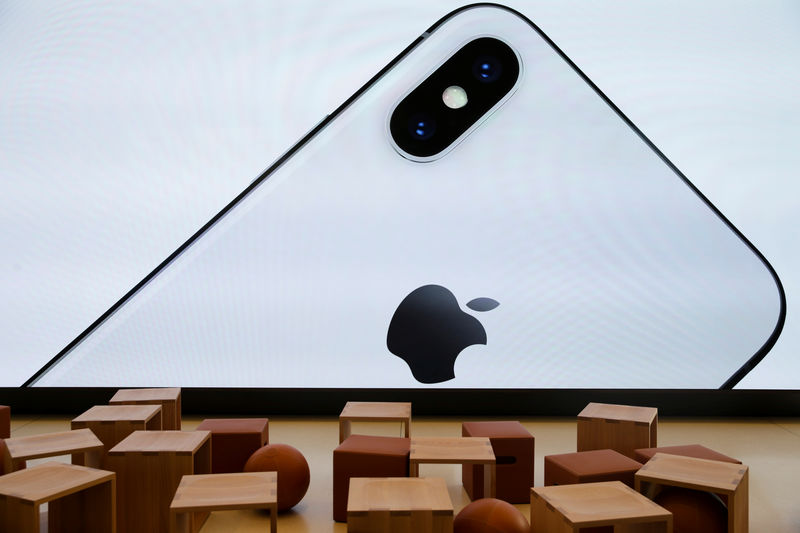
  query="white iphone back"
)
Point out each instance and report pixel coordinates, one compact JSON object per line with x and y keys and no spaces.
{"x":609,"y":268}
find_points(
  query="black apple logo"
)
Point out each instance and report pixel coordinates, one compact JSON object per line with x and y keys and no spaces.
{"x":429,"y":330}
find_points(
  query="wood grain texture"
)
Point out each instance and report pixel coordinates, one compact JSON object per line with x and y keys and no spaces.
{"x":149,"y":467}
{"x":573,"y":507}
{"x":113,"y":423}
{"x":168,"y":398}
{"x":79,"y":499}
{"x":374,"y":412}
{"x":722,"y":478}
{"x":398,"y":505}
{"x":81,"y":442}
{"x":224,"y":492}
{"x":623,"y":428}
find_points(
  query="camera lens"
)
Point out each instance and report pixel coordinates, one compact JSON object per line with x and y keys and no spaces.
{"x":487,"y":68}
{"x":421,"y":126}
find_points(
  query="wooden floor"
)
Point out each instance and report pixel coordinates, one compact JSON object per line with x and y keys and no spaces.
{"x":771,"y":448}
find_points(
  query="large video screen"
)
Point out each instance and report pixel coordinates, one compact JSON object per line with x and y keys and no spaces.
{"x":550,"y":245}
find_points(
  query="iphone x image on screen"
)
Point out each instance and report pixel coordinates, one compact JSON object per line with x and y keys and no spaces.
{"x":479,"y":215}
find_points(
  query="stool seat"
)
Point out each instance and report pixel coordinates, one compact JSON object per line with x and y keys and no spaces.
{"x":588,"y":467}
{"x":687,"y":450}
{"x":366,"y":456}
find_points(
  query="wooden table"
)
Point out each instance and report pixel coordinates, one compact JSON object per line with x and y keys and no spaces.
{"x":168,"y":399}
{"x":373,"y":412}
{"x":570,"y":508}
{"x":456,"y":450}
{"x":149,"y":467}
{"x":112,"y":423}
{"x":78,"y":498}
{"x":399,"y":504}
{"x":728,"y":479}
{"x":224,"y":492}
{"x":623,"y":428}
{"x":82,"y":443}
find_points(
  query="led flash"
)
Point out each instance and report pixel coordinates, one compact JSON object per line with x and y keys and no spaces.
{"x":454,"y":97}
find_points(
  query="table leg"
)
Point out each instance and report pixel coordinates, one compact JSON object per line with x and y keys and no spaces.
{"x":92,"y":459}
{"x":413,"y":469}
{"x":407,"y":424}
{"x":646,"y":488}
{"x":738,"y":513}
{"x":273,"y":518}
{"x":17,"y":516}
{"x":179,"y":522}
{"x":8,"y":464}
{"x":344,"y":430}
{"x":489,"y":481}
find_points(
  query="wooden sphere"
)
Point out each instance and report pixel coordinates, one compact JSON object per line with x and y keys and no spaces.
{"x":292,"y":468}
{"x":694,"y":511}
{"x":489,"y":515}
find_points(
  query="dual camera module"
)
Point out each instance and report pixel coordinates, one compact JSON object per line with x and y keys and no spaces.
{"x":456,"y":96}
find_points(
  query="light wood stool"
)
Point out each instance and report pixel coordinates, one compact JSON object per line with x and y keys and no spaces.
{"x":169,"y":399}
{"x":149,"y":467}
{"x":623,"y":428}
{"x":570,"y":508}
{"x":84,"y":446}
{"x":456,"y":450}
{"x":373,"y":412}
{"x":78,"y":498}
{"x":722,"y":478}
{"x":112,"y":423}
{"x":224,"y":492}
{"x":399,"y":505}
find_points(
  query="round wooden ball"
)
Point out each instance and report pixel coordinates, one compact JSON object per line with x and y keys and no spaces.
{"x":694,"y":511}
{"x":292,"y":468}
{"x":489,"y":515}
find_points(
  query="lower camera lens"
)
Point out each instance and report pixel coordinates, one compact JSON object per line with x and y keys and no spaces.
{"x":421,"y":126}
{"x":487,"y":68}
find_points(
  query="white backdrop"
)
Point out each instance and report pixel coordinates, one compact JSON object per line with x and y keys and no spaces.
{"x":123,"y":128}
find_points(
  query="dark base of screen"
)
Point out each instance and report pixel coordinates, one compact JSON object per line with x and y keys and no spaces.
{"x":440,"y":402}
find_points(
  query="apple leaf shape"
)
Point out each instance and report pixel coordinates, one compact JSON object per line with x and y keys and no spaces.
{"x":482,"y":304}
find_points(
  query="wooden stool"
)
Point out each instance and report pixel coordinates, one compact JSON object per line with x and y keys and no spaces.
{"x":513,"y":448}
{"x":365,"y":456}
{"x":234,"y":440}
{"x":687,"y":450}
{"x":571,"y":508}
{"x":78,"y":498}
{"x":467,"y":451}
{"x":725,"y":479}
{"x":617,"y":427}
{"x":168,"y":399}
{"x":399,"y":505}
{"x":224,"y":492}
{"x":589,"y":467}
{"x":149,"y":467}
{"x":82,"y":444}
{"x":112,"y":423}
{"x":373,"y":412}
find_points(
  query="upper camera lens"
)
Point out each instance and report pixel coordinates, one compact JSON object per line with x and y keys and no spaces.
{"x":421,"y":126}
{"x":487,"y":68}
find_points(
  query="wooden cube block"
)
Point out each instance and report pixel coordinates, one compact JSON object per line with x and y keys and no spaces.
{"x":234,"y":440}
{"x":623,"y":428}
